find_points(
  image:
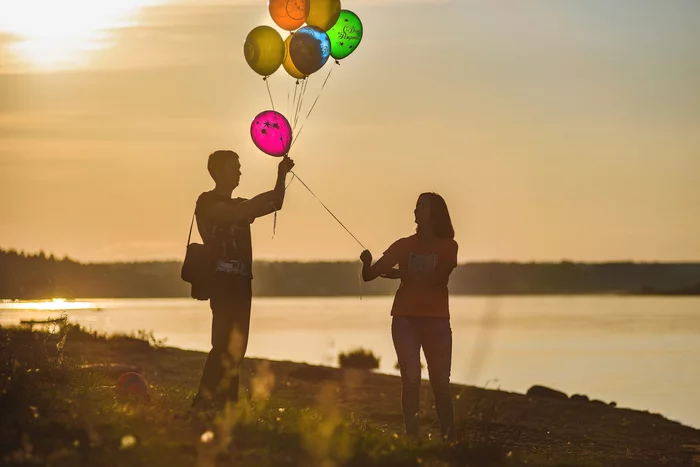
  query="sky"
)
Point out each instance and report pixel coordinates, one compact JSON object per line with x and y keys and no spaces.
{"x":559,"y":129}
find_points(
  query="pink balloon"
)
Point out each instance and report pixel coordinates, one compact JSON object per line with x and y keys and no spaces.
{"x":271,"y":133}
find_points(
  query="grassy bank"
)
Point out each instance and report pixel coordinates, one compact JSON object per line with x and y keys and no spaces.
{"x":59,"y":407}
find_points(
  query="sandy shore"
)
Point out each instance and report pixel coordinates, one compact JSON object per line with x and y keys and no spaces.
{"x":547,"y":427}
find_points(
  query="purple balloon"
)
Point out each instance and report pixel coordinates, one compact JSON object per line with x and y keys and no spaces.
{"x":271,"y":133}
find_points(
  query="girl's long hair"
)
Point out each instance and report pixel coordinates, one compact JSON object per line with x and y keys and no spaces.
{"x":440,"y":216}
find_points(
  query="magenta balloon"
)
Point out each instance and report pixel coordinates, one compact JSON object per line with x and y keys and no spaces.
{"x":271,"y":133}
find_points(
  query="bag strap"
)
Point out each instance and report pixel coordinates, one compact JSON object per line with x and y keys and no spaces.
{"x":189,"y":237}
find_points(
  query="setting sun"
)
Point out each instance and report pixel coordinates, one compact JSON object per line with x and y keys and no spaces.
{"x":54,"y":35}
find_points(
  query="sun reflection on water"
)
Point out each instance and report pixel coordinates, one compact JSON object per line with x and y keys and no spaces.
{"x":56,"y":304}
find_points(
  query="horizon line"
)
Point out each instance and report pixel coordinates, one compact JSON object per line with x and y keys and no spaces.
{"x":349,"y":260}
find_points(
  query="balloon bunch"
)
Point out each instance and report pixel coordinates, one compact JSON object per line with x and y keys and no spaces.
{"x":318,"y":30}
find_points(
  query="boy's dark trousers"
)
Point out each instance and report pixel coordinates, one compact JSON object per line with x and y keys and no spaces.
{"x":230,"y":302}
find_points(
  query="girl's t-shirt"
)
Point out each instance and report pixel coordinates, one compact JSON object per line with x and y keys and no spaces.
{"x":416,"y":255}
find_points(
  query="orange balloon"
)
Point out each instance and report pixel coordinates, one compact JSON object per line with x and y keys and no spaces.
{"x":289,"y":14}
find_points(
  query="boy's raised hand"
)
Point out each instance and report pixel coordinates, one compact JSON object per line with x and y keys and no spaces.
{"x":285,"y":166}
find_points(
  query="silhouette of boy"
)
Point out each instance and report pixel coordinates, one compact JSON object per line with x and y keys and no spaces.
{"x":224,"y":225}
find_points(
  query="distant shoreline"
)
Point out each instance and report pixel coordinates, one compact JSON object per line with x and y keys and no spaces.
{"x":48,"y":300}
{"x":25,"y":277}
{"x":504,"y":295}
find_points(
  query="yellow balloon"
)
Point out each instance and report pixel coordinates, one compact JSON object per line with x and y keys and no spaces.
{"x":264,"y":50}
{"x":323,"y":13}
{"x":288,"y":64}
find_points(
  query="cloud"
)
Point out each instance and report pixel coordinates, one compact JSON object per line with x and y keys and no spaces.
{"x":95,"y":126}
{"x":8,"y":61}
{"x":7,"y":38}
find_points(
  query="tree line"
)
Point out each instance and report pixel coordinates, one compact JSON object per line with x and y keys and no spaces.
{"x":38,"y":276}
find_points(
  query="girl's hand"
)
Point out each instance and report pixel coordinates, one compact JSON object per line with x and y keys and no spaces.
{"x":366,"y":257}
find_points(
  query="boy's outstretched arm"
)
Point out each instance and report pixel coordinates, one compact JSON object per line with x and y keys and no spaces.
{"x":262,"y":204}
{"x":270,"y":201}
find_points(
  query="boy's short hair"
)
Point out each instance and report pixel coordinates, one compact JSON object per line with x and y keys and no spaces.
{"x":217,"y":159}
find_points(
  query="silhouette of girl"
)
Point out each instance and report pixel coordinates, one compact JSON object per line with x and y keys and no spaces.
{"x":421,"y":316}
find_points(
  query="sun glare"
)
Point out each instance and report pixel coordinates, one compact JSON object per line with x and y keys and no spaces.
{"x":57,"y":304}
{"x":51,"y":34}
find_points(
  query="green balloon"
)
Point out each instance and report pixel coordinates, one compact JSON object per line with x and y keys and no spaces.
{"x":346,"y":35}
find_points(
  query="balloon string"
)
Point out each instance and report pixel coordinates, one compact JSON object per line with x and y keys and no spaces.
{"x":290,"y":182}
{"x":296,"y":106}
{"x":304,"y":85}
{"x":312,"y":107}
{"x":359,"y":279}
{"x":296,"y":103}
{"x":274,"y":222}
{"x":303,"y":99}
{"x":294,"y":100}
{"x":268,"y":92}
{"x":329,"y":211}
